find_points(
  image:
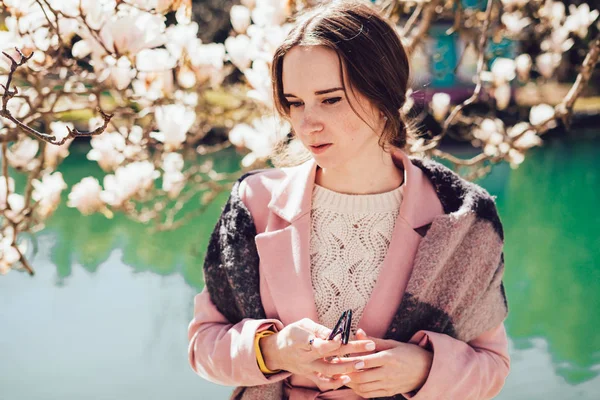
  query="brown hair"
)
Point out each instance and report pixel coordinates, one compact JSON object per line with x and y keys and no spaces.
{"x":370,"y":50}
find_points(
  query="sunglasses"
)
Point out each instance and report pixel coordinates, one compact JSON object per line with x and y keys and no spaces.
{"x":342,"y":327}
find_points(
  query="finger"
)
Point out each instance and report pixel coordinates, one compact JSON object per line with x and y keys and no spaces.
{"x":356,"y":346}
{"x":369,"y":361}
{"x":330,"y":369}
{"x":320,"y":347}
{"x":327,"y":382}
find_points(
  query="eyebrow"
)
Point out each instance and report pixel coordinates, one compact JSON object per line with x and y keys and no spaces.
{"x":318,"y":92}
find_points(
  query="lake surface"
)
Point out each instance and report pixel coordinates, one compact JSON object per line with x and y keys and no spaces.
{"x":106,"y":315}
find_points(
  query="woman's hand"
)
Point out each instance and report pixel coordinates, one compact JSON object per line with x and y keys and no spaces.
{"x":394,"y":368}
{"x":289,"y":350}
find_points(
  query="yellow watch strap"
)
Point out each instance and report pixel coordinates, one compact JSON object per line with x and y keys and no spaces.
{"x":259,"y":357}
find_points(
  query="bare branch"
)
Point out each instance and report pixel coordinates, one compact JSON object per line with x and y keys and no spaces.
{"x":428,"y":14}
{"x":564,"y":110}
{"x":480,"y":65}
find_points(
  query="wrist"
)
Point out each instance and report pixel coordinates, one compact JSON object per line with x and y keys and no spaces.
{"x":269,"y":350}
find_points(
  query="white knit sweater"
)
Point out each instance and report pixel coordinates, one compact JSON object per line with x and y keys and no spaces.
{"x":350,"y":236}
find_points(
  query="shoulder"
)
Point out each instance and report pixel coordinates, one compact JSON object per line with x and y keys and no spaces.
{"x":458,"y":195}
{"x":254,"y":190}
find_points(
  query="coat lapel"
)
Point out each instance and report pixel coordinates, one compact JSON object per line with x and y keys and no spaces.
{"x":284,"y":247}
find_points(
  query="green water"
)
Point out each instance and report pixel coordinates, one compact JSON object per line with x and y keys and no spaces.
{"x":106,"y":315}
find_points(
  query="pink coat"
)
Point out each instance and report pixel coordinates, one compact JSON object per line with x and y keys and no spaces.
{"x":224,"y":353}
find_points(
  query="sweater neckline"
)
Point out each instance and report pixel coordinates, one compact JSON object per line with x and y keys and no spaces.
{"x":356,"y":203}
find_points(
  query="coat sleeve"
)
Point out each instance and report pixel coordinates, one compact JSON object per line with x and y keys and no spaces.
{"x":468,"y":371}
{"x":228,"y":312}
{"x":222,"y":352}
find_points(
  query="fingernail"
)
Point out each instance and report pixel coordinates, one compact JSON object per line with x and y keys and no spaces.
{"x":361,"y":332}
{"x":359,"y":365}
{"x":370,"y":346}
{"x":346,"y":379}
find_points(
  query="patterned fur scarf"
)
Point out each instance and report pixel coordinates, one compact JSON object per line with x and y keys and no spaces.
{"x":462,"y":249}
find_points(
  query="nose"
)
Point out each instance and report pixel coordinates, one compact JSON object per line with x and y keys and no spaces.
{"x":310,"y":123}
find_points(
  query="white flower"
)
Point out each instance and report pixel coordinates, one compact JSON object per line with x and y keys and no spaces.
{"x":547,"y":63}
{"x":268,"y":12}
{"x":554,"y":11}
{"x":120,"y":71}
{"x":237,"y":48}
{"x":514,"y":3}
{"x":151,"y":86}
{"x":490,"y":130}
{"x":129,"y":34}
{"x":150,"y":60}
{"x":558,"y":41}
{"x":172,"y":162}
{"x":22,"y":154}
{"x":262,"y":137}
{"x":515,"y":22}
{"x":128,"y":181}
{"x":540,"y":113}
{"x":85,"y":196}
{"x":107,"y":150}
{"x":174,"y":121}
{"x":515,"y":158}
{"x":186,"y":77}
{"x":440,"y":105}
{"x":53,"y":154}
{"x":528,"y":140}
{"x":182,"y":37}
{"x":173,"y":183}
{"x":47,"y":193}
{"x":240,"y":18}
{"x":260,"y":79}
{"x":580,"y":19}
{"x":523,"y":65}
{"x":502,"y":95}
{"x":503,"y":70}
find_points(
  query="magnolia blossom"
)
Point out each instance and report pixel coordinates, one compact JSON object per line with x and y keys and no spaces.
{"x":238,"y":49}
{"x":85,"y":196}
{"x":527,"y":136}
{"x":173,"y":183}
{"x":558,"y":42}
{"x":259,"y":78}
{"x":22,"y":154}
{"x":580,"y":19}
{"x":209,"y":59}
{"x":107,"y":150}
{"x":515,"y":158}
{"x":172,"y":162}
{"x":503,"y":70}
{"x":151,"y":86}
{"x":261,"y":138}
{"x":490,"y":131}
{"x":174,"y":121}
{"x":47,"y":193}
{"x":120,"y":71}
{"x":555,"y":11}
{"x":515,"y":22}
{"x":269,"y":12}
{"x":440,"y":105}
{"x":9,"y":255}
{"x":128,"y":181}
{"x":129,"y":34}
{"x":540,"y":114}
{"x":150,"y":60}
{"x":182,"y":38}
{"x":240,"y":18}
{"x":502,"y":95}
{"x":523,"y":66}
{"x":547,"y":63}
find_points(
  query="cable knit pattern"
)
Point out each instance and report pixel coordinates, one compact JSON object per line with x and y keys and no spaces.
{"x":349,"y":238}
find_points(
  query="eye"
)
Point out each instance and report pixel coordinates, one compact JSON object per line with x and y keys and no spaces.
{"x":294,"y":104}
{"x":332,"y":100}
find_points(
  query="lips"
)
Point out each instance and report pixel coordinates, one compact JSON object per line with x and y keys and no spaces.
{"x":317,"y":146}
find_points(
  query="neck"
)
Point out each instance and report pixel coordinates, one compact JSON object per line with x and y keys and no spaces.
{"x":362,"y":178}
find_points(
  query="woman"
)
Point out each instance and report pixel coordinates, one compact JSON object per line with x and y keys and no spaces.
{"x":412,"y":249}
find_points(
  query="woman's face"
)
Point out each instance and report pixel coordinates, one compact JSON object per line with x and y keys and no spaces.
{"x":320,"y":112}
